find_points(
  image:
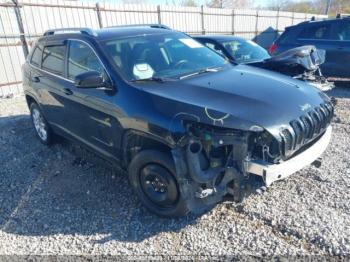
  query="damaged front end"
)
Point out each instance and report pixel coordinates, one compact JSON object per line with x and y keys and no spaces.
{"x":210,"y":164}
{"x":215,"y":163}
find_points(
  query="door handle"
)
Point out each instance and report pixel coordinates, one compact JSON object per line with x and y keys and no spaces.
{"x":68,"y":92}
{"x":35,"y":79}
{"x":340,"y":47}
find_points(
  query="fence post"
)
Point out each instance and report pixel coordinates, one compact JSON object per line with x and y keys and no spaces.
{"x":159,"y":14}
{"x":21,"y":28}
{"x":293,"y":18}
{"x":233,"y":21}
{"x":256,"y":25}
{"x":202,"y":20}
{"x":277,"y":23}
{"x":99,"y":17}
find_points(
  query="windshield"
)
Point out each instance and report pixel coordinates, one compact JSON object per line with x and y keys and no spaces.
{"x":165,"y":56}
{"x":245,"y":51}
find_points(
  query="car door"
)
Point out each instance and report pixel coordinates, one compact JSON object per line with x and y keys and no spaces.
{"x":32,"y":77}
{"x":49,"y":82}
{"x":93,"y":114}
{"x":319,"y":35}
{"x":342,"y":48}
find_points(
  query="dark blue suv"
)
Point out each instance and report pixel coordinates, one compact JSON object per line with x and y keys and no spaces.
{"x":189,"y":127}
{"x":332,"y":35}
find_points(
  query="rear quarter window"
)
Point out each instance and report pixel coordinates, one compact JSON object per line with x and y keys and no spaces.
{"x":286,"y":37}
{"x":36,"y":56}
{"x":53,"y":59}
{"x":342,"y":31}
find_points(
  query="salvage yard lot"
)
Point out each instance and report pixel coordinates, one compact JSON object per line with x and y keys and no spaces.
{"x":64,"y":200}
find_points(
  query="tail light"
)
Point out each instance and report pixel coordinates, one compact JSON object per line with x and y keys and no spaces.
{"x":272,"y":48}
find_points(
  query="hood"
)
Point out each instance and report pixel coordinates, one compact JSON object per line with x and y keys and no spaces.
{"x":238,"y":97}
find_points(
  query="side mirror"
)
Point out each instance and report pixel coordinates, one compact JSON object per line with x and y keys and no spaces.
{"x":90,"y":79}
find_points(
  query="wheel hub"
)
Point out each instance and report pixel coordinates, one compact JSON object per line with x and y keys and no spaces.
{"x":39,"y":124}
{"x":159,"y":185}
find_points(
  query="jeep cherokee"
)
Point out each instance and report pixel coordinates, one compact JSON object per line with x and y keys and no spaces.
{"x":189,"y":127}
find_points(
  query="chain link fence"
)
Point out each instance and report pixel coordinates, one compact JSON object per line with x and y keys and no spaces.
{"x":22,"y":22}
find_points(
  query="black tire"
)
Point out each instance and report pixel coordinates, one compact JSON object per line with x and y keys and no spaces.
{"x":46,"y":135}
{"x":145,"y":165}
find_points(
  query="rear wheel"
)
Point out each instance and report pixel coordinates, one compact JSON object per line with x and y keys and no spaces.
{"x":41,"y":126}
{"x":153,"y":178}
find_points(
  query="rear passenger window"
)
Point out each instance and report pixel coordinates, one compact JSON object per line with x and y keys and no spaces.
{"x":36,"y":57}
{"x":81,"y":59}
{"x":53,"y":59}
{"x":286,"y":37}
{"x":317,"y":31}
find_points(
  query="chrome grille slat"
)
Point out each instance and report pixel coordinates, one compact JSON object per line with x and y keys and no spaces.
{"x":303,"y":129}
{"x":324,"y":116}
{"x":298,"y":133}
{"x":307,"y":125}
{"x":313,"y":124}
{"x":317,"y":121}
{"x":287,"y":139}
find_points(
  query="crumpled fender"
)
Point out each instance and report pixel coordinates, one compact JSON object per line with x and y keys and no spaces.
{"x":309,"y":57}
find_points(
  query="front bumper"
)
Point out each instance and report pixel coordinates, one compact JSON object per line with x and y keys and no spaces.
{"x":326,"y":86}
{"x":274,"y":172}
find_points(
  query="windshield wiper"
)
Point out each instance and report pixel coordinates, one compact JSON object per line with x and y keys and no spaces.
{"x":151,"y":79}
{"x":154,"y":79}
{"x":202,"y":71}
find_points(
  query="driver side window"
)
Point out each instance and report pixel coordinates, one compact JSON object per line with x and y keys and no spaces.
{"x":81,"y":59}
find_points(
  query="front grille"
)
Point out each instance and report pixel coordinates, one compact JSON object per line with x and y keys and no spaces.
{"x":287,"y":139}
{"x":306,"y":128}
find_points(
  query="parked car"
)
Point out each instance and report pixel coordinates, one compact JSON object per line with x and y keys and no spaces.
{"x":331,"y":35}
{"x":188,"y":126}
{"x":302,"y":63}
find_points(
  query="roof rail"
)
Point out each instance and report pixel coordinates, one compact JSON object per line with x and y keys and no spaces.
{"x":82,"y":30}
{"x":149,"y":25}
{"x":315,"y":19}
{"x":342,"y":16}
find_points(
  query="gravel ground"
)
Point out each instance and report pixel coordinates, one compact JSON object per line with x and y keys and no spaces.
{"x":63,"y":200}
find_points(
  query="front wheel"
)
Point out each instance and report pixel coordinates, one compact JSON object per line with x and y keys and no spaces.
{"x":152,"y":176}
{"x":41,"y":126}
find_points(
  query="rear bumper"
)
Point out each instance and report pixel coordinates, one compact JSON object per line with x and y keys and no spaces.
{"x":274,"y":172}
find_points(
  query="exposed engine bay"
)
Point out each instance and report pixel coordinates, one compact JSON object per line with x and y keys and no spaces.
{"x":210,"y":164}
{"x":215,"y":163}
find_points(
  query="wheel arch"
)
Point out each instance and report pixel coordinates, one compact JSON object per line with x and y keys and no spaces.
{"x":31,"y":99}
{"x":134,"y":141}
